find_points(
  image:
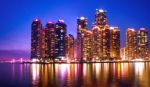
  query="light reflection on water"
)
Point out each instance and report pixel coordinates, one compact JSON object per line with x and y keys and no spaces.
{"x":35,"y":74}
{"x":77,"y":75}
{"x":139,"y":68}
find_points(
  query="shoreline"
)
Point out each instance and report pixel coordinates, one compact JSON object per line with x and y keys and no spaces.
{"x":74,"y":62}
{"x":85,"y":62}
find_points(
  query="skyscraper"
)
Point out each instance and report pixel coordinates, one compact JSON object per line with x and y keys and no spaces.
{"x":50,"y":40}
{"x":101,"y":36}
{"x":105,"y":43}
{"x":114,"y":43}
{"x":36,"y":39}
{"x":97,"y":42}
{"x":70,"y":47}
{"x":142,"y":43}
{"x":131,"y":44}
{"x":60,"y":44}
{"x":82,"y":26}
{"x":42,"y":44}
{"x":87,"y":46}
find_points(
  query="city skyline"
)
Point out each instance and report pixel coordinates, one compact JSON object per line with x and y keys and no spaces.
{"x":21,"y":40}
{"x":75,"y":43}
{"x":52,"y":43}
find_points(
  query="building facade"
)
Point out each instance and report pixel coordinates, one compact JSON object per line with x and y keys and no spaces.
{"x":36,"y":29}
{"x":114,"y":43}
{"x":82,"y":26}
{"x":88,"y":46}
{"x":105,"y":44}
{"x":70,"y":47}
{"x":42,"y":44}
{"x":142,"y":38}
{"x":60,"y":41}
{"x":101,"y":36}
{"x":97,"y":42}
{"x":131,"y":44}
{"x":50,"y":40}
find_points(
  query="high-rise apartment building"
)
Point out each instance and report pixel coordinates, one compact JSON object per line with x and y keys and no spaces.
{"x":42,"y":43}
{"x":88,"y":46}
{"x":50,"y":40}
{"x":70,"y":47}
{"x":105,"y":43}
{"x":142,"y":42}
{"x":131,"y":44}
{"x":60,"y":41}
{"x":101,"y":36}
{"x":36,"y":39}
{"x":82,"y":26}
{"x":97,"y":42}
{"x":114,"y":43}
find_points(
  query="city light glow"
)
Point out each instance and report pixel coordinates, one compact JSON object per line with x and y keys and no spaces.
{"x":82,"y":18}
{"x":62,"y":21}
{"x":100,"y":10}
{"x":36,"y":19}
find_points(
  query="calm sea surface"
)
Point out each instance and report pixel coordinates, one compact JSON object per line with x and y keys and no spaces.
{"x":75,"y":75}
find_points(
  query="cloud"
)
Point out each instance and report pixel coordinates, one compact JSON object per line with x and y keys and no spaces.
{"x":8,"y":54}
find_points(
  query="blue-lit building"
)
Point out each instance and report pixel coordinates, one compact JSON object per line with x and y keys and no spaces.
{"x":60,"y":44}
{"x":35,"y":39}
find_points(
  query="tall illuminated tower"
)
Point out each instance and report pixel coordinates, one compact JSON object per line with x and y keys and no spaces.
{"x":87,"y":46}
{"x":105,"y":43}
{"x":101,"y":36}
{"x":35,"y":39}
{"x":131,"y":44}
{"x":82,"y":26}
{"x":50,"y":40}
{"x":97,"y":42}
{"x":42,"y":43}
{"x":60,"y":44}
{"x":114,"y":43}
{"x":142,"y":43}
{"x":70,"y":47}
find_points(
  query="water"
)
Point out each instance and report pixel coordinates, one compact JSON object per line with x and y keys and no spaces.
{"x":75,"y":75}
